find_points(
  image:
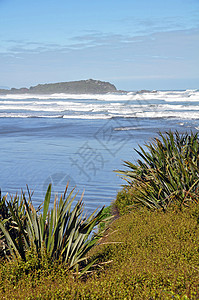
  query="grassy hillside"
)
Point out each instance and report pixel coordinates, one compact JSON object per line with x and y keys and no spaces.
{"x":144,"y":255}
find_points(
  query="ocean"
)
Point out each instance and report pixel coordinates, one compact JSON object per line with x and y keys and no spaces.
{"x":82,"y":139}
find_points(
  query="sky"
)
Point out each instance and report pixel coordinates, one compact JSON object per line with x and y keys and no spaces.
{"x":132,"y":44}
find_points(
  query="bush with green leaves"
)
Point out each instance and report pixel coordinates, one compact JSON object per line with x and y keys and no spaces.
{"x":62,"y":233}
{"x":166,"y":173}
{"x":123,"y":200}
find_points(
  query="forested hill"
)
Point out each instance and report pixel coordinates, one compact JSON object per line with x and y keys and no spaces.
{"x":89,"y":86}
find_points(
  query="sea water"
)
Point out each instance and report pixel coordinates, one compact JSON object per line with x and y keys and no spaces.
{"x":82,"y":139}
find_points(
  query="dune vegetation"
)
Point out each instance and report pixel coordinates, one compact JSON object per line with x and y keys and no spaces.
{"x":149,"y":249}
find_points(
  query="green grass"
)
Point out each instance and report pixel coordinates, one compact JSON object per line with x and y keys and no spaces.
{"x":144,"y":255}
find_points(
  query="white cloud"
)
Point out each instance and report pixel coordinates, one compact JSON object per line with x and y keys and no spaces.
{"x":170,"y":54}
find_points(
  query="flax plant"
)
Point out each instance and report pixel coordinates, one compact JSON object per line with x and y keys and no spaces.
{"x":166,"y":173}
{"x":61,"y":233}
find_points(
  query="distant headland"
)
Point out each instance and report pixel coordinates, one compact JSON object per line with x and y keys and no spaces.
{"x":89,"y":86}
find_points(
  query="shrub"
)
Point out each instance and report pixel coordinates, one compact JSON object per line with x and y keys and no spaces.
{"x":168,"y":173}
{"x":107,"y":218}
{"x":61,"y":233}
{"x":124,"y":201}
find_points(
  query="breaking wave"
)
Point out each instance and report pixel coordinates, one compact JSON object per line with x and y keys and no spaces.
{"x":155,"y":104}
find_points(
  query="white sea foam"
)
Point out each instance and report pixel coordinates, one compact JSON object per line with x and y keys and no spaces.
{"x":127,"y":128}
{"x":160,"y":104}
{"x":194,"y":94}
{"x":166,"y":114}
{"x":88,"y":117}
{"x":112,"y":97}
{"x":21,"y":115}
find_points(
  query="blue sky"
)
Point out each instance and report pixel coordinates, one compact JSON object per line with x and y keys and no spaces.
{"x":133,"y":44}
